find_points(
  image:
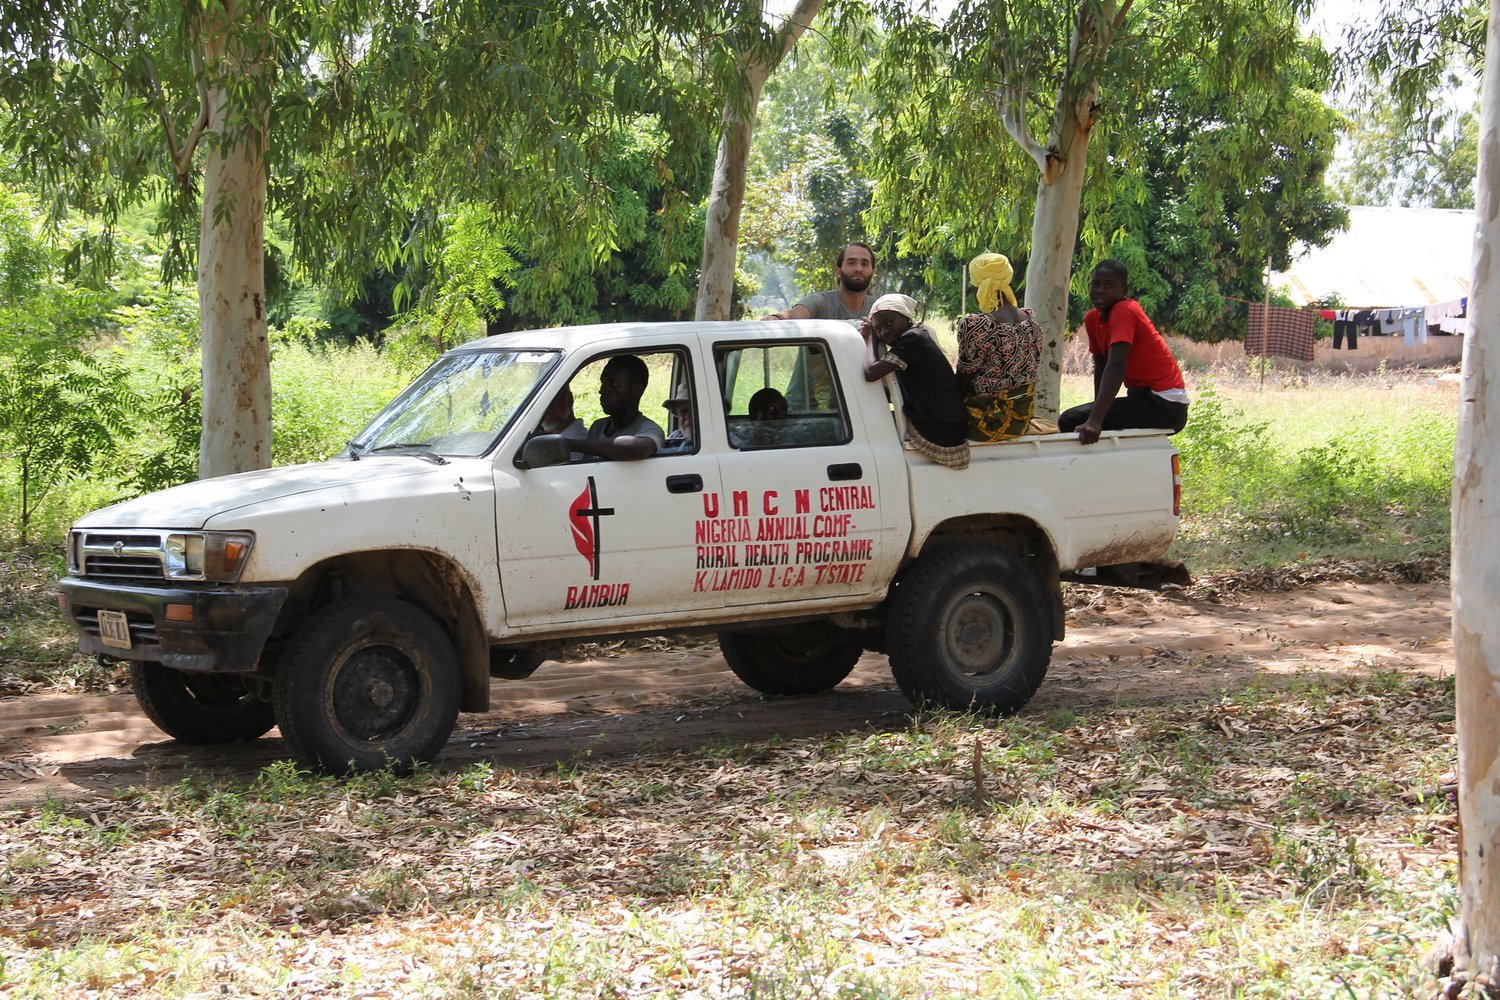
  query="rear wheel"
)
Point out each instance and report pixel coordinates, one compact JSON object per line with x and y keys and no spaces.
{"x":797,"y":659}
{"x":369,"y":683}
{"x":969,"y":630}
{"x":203,"y":709}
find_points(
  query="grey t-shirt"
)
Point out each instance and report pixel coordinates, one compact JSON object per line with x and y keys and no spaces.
{"x":828,"y":305}
{"x":641,"y":426}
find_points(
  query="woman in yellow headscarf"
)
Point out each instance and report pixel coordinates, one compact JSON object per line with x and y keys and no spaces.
{"x":999,"y":352}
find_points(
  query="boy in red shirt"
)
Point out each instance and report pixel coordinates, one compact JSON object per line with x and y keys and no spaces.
{"x":1127,"y":351}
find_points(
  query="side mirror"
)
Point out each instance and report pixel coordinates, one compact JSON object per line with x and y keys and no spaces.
{"x":544,"y":450}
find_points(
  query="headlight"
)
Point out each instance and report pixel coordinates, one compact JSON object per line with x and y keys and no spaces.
{"x":218,"y":556}
{"x":75,"y":539}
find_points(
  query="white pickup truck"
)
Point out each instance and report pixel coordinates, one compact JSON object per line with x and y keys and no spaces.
{"x":362,"y":602}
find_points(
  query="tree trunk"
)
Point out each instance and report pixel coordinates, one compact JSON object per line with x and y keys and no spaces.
{"x":231,"y":271}
{"x":1054,"y":234}
{"x":721,"y":226}
{"x":1476,"y":581}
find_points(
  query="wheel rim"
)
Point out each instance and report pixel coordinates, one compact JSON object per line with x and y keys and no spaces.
{"x":978,"y":629}
{"x":376,"y":691}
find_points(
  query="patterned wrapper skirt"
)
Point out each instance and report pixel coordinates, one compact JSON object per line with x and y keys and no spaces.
{"x":954,"y":457}
{"x":1002,"y":416}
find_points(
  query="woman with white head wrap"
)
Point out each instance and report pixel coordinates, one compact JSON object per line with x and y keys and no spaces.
{"x":999,"y":352}
{"x":930,"y":397}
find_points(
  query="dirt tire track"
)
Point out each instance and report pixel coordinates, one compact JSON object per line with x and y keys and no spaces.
{"x":1123,"y":648}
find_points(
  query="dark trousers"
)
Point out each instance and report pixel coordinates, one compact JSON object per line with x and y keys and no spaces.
{"x":1343,"y":328}
{"x":1139,"y":407}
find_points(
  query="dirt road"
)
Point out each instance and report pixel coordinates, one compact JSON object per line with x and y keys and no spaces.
{"x":1122,"y":648}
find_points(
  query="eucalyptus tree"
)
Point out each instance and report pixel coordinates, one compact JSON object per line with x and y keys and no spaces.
{"x":1420,"y":151}
{"x":761,"y":49}
{"x":1210,"y":185}
{"x":354,"y":122}
{"x":1475,"y":951}
{"x":110,"y":104}
{"x":996,"y":106}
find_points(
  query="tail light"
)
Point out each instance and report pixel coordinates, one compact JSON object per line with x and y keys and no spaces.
{"x":1176,"y":486}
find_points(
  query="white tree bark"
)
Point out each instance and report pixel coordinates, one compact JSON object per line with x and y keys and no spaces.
{"x":1054,"y":234}
{"x":1476,"y":574}
{"x":1062,"y":166}
{"x":236,"y":433}
{"x":726,"y":199}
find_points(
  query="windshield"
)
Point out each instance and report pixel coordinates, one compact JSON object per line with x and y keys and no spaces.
{"x":458,"y":407}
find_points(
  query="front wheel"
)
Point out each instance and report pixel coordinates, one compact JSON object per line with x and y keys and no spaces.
{"x":203,"y":709}
{"x":368,"y":683}
{"x":797,"y":659}
{"x":969,"y":630}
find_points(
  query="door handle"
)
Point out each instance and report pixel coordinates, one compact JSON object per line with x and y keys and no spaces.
{"x":690,"y":483}
{"x":845,"y":470}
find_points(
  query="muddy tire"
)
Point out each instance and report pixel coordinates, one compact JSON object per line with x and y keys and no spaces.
{"x":369,"y":683}
{"x":798,"y":659}
{"x":970,"y":630}
{"x":203,"y":709}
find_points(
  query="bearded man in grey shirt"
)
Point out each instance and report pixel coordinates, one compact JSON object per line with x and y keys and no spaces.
{"x":855,"y":269}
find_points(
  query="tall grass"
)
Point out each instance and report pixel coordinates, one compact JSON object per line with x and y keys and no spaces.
{"x":1329,"y":468}
{"x":324,"y":393}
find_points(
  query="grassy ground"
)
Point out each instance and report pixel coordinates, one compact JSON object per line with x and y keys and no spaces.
{"x":1306,"y":468}
{"x":1264,"y":843}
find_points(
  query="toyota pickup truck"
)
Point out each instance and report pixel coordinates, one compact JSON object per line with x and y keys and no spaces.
{"x":362,"y":603}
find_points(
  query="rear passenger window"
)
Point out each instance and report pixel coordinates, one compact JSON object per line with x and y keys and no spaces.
{"x":781,"y":395}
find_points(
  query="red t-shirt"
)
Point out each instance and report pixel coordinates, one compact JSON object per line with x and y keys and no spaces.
{"x":1150,"y":363}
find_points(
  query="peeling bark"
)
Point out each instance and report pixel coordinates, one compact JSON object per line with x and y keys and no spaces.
{"x":236,"y":434}
{"x":726,"y":199}
{"x":1054,"y":234}
{"x":1476,"y":575}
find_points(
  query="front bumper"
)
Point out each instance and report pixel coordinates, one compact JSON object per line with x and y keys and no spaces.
{"x":227,"y":632}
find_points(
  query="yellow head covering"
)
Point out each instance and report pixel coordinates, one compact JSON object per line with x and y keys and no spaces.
{"x":991,"y":274}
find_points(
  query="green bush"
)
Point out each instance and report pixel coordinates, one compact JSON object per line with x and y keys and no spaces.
{"x":1368,"y":492}
{"x":324,"y":394}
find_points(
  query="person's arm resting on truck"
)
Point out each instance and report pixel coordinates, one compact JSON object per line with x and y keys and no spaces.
{"x":875,"y":368}
{"x":626,"y":447}
{"x":1109,"y":375}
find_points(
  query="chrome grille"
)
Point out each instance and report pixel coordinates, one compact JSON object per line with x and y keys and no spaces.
{"x":118,"y":555}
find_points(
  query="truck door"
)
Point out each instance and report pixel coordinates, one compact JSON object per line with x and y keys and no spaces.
{"x":612,"y":539}
{"x":798,"y":517}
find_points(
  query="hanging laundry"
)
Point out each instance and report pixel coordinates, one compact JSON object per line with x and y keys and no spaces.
{"x":1407,"y":322}
{"x":1344,"y":329}
{"x":1365,"y":323}
{"x":1279,"y":331}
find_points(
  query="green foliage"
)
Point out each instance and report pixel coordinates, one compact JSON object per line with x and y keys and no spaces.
{"x":1207,"y":151}
{"x":1420,"y":152}
{"x":324,"y":394}
{"x":647,"y":267}
{"x":60,"y":413}
{"x":1245,"y":491}
{"x":160,"y":329}
{"x":1218,"y":182}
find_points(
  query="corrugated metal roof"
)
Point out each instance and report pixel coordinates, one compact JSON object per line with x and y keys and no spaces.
{"x":1388,"y":257}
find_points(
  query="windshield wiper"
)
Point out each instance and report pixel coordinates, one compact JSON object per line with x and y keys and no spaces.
{"x":419,"y":448}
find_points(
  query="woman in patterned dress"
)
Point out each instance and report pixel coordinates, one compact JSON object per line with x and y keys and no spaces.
{"x":999,"y":351}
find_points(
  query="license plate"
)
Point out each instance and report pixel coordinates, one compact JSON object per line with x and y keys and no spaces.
{"x":114,"y":629}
